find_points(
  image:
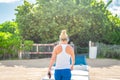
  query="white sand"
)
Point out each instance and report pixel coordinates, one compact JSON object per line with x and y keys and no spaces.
{"x":104,"y":69}
{"x":35,"y":69}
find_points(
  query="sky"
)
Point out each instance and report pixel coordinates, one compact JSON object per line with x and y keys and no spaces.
{"x":7,"y":9}
{"x":7,"y":12}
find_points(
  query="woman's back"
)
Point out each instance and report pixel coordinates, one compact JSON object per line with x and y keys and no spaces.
{"x":68,"y":49}
{"x":63,"y":58}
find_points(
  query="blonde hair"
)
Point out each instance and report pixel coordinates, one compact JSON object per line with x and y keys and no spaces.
{"x":63,"y":36}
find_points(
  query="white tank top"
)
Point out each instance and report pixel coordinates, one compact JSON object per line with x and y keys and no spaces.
{"x":63,"y":59}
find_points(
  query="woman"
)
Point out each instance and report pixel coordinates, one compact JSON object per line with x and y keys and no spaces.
{"x":62,"y":54}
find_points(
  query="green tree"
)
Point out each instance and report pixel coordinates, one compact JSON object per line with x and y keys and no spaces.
{"x":23,"y":19}
{"x":84,"y":21}
{"x":9,"y":39}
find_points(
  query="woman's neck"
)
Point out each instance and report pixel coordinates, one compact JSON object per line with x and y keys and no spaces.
{"x":63,"y":42}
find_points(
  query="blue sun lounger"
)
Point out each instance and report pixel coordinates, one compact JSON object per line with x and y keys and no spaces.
{"x":80,"y":71}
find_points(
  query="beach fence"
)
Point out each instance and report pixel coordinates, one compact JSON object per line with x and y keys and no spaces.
{"x":45,"y":50}
{"x":37,"y":50}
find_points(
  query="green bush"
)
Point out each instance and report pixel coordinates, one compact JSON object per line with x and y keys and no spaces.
{"x":9,"y":40}
{"x":81,"y":50}
{"x":108,"y":51}
{"x":28,"y":45}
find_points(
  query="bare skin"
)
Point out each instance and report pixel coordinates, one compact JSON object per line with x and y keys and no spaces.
{"x":57,"y":50}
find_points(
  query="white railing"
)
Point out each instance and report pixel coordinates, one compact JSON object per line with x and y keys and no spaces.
{"x":37,"y":49}
{"x":42,"y":49}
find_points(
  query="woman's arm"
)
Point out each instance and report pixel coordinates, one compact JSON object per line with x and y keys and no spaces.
{"x":52,"y":60}
{"x":72,"y":57}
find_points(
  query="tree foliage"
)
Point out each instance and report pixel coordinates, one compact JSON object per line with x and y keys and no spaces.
{"x":9,"y":38}
{"x":83,"y":19}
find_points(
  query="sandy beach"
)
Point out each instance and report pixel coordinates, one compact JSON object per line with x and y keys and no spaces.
{"x":35,"y":69}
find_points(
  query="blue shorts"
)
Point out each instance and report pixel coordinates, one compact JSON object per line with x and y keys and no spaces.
{"x":62,"y":74}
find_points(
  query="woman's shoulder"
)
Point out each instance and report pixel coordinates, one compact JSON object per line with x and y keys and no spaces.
{"x":57,"y":46}
{"x":57,"y":49}
{"x":69,"y":46}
